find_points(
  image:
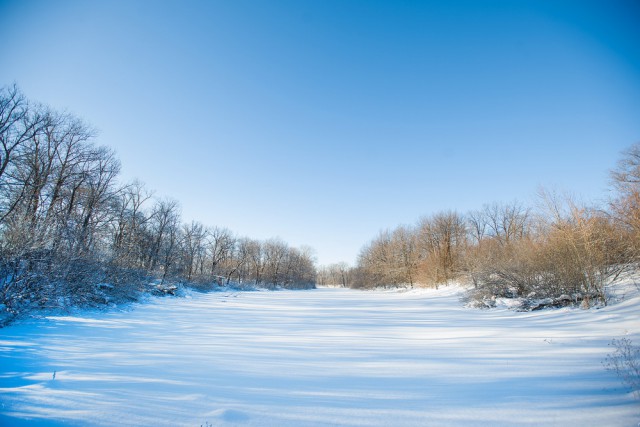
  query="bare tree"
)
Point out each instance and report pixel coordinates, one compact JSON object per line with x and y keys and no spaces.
{"x":167,"y":236}
{"x":478,"y":225}
{"x":376,"y":260}
{"x":236,"y":263}
{"x":299,"y":271}
{"x":100,"y":188}
{"x":626,"y":176}
{"x":256,"y":260}
{"x":507,"y":222}
{"x":19,"y":123}
{"x":220,"y":246}
{"x":442,"y":238}
{"x":406,"y":254}
{"x":625,"y":205}
{"x":338,"y":274}
{"x":275,"y":252}
{"x":194,"y":236}
{"x":129,"y":232}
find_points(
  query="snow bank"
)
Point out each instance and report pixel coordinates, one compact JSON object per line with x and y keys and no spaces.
{"x":325,"y":357}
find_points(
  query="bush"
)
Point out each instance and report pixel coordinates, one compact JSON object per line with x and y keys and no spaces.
{"x":43,"y":280}
{"x":625,"y":362}
{"x":572,"y":257}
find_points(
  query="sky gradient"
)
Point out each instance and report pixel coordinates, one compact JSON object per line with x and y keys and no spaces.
{"x":324,"y":122}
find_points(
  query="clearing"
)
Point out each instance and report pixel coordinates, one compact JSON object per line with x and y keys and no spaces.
{"x":326,"y":357}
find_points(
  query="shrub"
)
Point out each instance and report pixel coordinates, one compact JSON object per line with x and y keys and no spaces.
{"x":625,"y":362}
{"x":574,"y":253}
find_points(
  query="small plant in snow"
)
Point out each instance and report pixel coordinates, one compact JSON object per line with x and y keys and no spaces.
{"x":625,"y":362}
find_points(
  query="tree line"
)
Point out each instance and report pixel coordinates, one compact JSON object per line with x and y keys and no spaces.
{"x":71,"y":233}
{"x":563,"y":251}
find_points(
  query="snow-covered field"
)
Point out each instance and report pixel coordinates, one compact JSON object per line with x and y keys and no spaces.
{"x":327,"y":357}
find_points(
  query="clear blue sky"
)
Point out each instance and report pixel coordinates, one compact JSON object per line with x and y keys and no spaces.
{"x":323,"y":122}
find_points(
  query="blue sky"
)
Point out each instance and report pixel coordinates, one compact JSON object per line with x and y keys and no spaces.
{"x":323,"y":122}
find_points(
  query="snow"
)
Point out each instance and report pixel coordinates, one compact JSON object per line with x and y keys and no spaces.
{"x":326,"y":357}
